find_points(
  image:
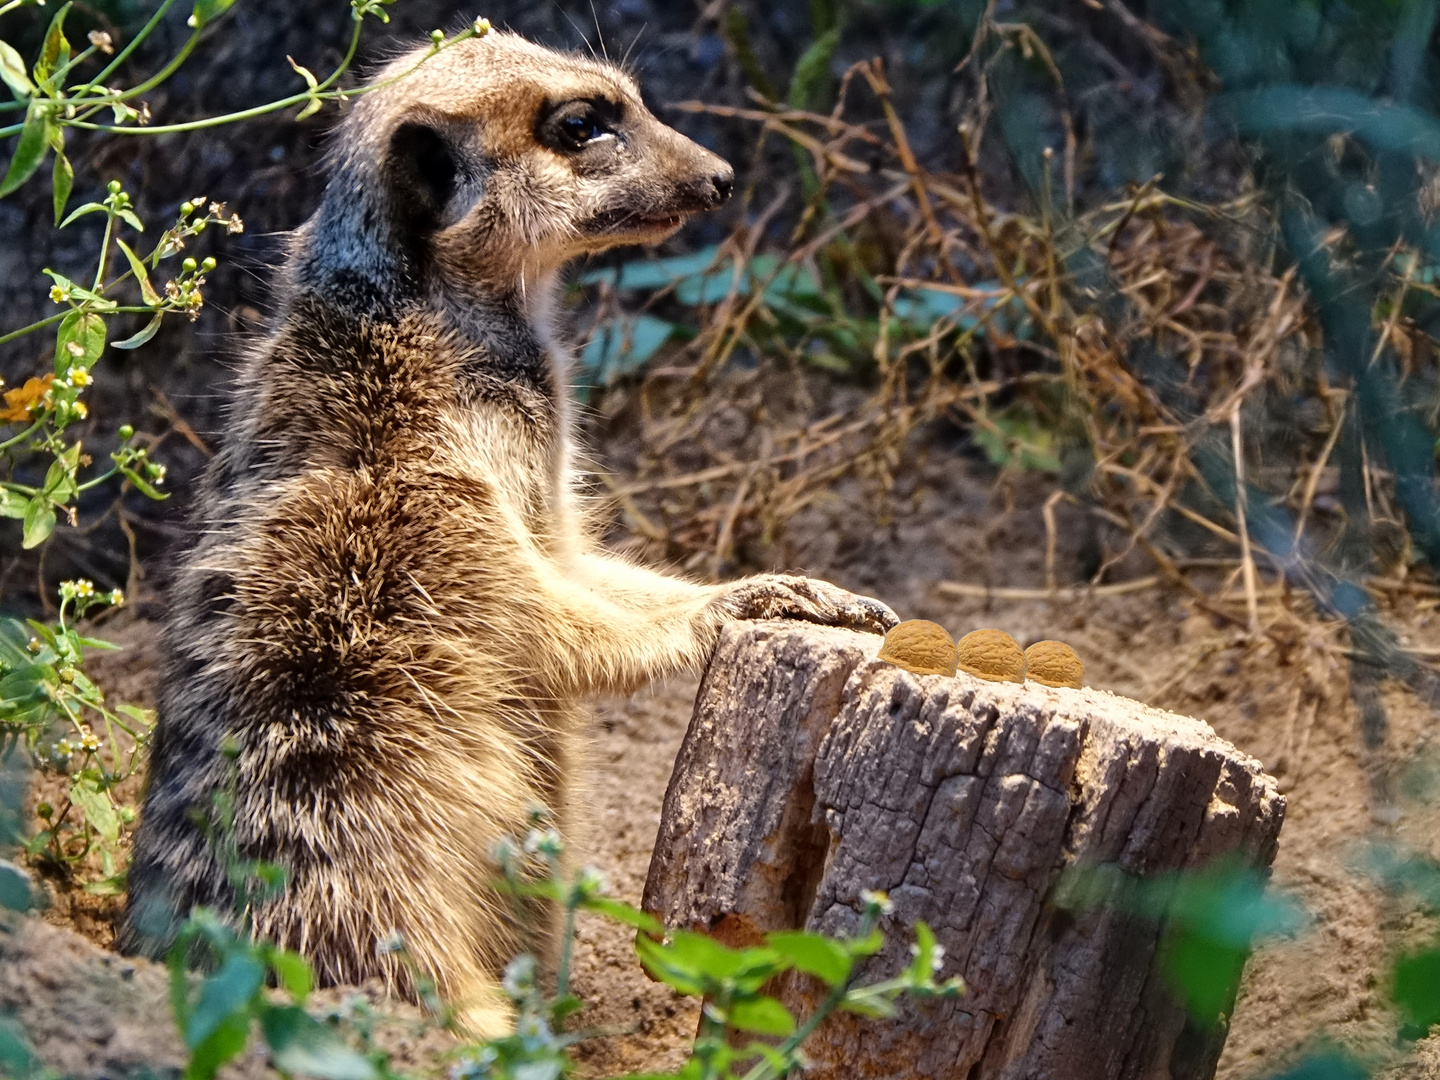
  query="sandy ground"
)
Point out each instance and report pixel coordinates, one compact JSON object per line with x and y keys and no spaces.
{"x":1290,"y":708}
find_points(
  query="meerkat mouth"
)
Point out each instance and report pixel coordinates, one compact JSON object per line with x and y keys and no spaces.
{"x":633,"y":223}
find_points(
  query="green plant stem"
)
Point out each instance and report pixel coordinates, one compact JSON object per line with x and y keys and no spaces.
{"x":27,"y":433}
{"x":258,"y":110}
{"x":96,"y":481}
{"x":347,"y":59}
{"x":47,"y":321}
{"x":562,"y":972}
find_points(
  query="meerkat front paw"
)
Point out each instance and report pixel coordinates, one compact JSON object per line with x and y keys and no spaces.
{"x":787,"y":596}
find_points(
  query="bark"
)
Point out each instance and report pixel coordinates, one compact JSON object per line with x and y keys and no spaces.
{"x":812,"y":771}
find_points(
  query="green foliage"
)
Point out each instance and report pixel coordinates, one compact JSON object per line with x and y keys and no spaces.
{"x":218,"y":1018}
{"x":49,"y":704}
{"x":1212,"y":918}
{"x":730,"y":981}
{"x":1330,"y":1065}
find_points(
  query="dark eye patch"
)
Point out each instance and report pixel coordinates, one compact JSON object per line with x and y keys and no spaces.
{"x":571,"y":126}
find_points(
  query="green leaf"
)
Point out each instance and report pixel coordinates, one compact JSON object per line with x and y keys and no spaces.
{"x":813,"y":954}
{"x":114,"y":885}
{"x":12,"y":71}
{"x":81,"y":211}
{"x":302,"y":1046}
{"x":85,"y":331}
{"x":1416,"y":981}
{"x":44,"y":633}
{"x":207,"y":10}
{"x":130,"y":218}
{"x":761,"y":1015}
{"x":653,"y":273}
{"x":225,"y":1041}
{"x":62,"y":179}
{"x":96,"y":643}
{"x":659,"y":962}
{"x":144,"y":486}
{"x":622,"y":347}
{"x":621,"y":912}
{"x":60,"y":485}
{"x":98,"y":809}
{"x":39,"y":522}
{"x":141,"y":336}
{"x":1331,"y":1065}
{"x":292,"y":971}
{"x":224,"y":995}
{"x":1016,"y":438}
{"x":29,"y":150}
{"x":147,"y":291}
{"x":1203,"y":971}
{"x":12,"y":503}
{"x":304,"y":73}
{"x":55,"y":52}
{"x":15,"y":1056}
{"x":15,"y":891}
{"x":864,"y":1002}
{"x":922,"y":967}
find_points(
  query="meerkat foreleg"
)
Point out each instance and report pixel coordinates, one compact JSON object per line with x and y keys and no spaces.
{"x":672,"y":623}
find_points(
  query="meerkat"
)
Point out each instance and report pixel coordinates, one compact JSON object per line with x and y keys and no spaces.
{"x":381,"y":642}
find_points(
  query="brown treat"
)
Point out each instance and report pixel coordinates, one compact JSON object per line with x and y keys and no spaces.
{"x":993,"y":655}
{"x":1055,"y":664}
{"x":920,"y":647}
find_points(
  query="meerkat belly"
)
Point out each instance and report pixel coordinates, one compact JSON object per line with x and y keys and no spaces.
{"x":387,"y":715}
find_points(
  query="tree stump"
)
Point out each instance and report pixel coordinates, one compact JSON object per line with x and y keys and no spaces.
{"x":812,"y":771}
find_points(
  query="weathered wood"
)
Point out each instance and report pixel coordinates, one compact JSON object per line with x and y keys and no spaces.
{"x":812,"y":771}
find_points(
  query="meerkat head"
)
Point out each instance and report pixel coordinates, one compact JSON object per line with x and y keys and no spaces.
{"x":492,"y":163}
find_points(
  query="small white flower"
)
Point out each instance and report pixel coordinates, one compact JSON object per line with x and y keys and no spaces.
{"x":878,"y":900}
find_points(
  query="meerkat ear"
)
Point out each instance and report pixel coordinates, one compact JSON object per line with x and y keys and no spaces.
{"x":431,"y":175}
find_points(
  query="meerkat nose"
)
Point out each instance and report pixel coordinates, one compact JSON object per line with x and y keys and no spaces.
{"x":724,"y":184}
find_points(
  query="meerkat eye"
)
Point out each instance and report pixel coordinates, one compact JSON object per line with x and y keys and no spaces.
{"x":580,"y":129}
{"x":574,"y":125}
